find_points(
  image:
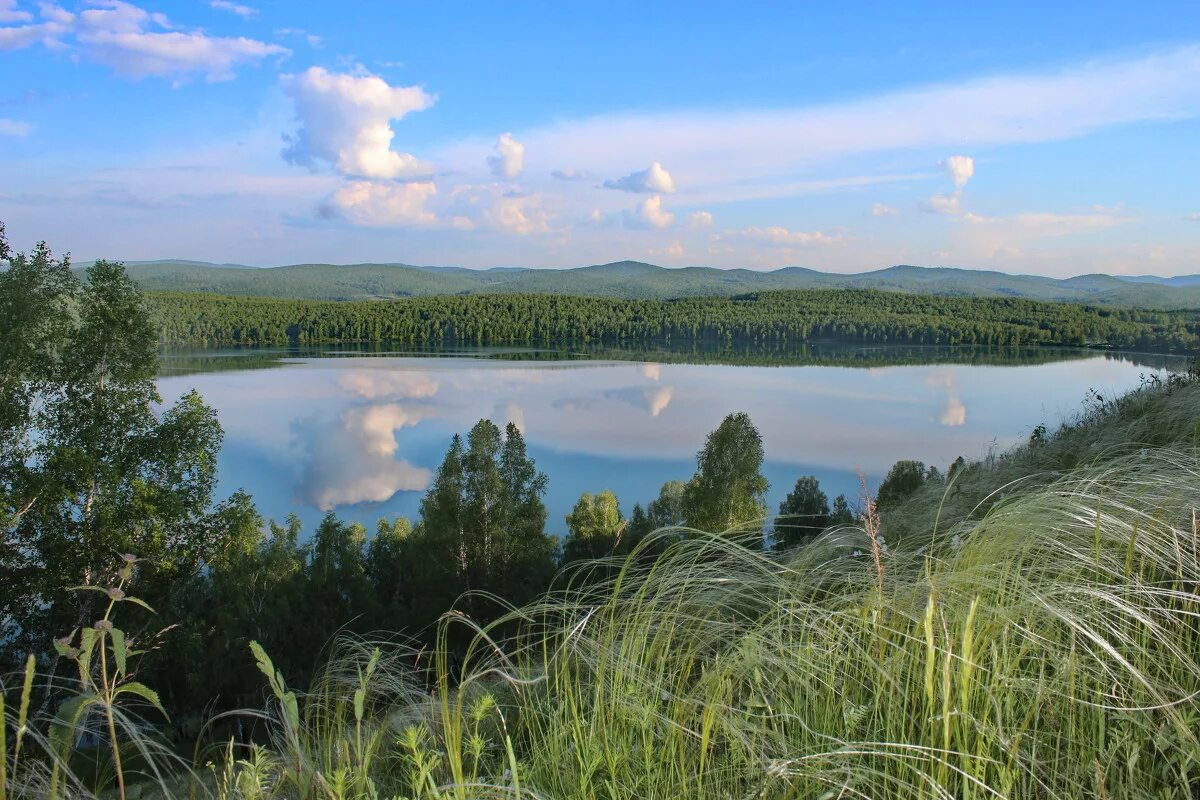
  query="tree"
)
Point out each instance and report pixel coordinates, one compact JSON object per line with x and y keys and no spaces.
{"x":89,"y":471}
{"x":804,"y":513}
{"x":902,"y":481}
{"x":841,"y":514}
{"x":728,"y":490}
{"x":389,"y":569}
{"x":483,"y":514}
{"x":594,"y":527}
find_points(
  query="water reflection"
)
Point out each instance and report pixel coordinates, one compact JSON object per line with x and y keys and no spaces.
{"x":361,"y":434}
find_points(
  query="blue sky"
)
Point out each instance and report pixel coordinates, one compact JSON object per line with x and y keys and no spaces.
{"x":1055,"y":139}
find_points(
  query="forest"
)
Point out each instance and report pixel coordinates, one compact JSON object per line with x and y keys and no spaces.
{"x":1007,"y":624}
{"x":767,"y":317}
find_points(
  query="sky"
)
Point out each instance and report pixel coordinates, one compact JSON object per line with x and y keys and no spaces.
{"x":1048,"y":138}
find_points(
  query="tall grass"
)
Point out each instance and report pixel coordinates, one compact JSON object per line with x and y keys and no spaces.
{"x":1042,"y":644}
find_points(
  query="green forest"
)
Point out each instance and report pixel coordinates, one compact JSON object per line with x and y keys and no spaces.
{"x":1020,"y":626}
{"x":766,"y":317}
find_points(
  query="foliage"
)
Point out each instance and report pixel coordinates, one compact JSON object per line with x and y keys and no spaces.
{"x":803,"y":514}
{"x":594,"y":527}
{"x":902,"y":481}
{"x":88,"y":469}
{"x":728,"y":490}
{"x":766,"y":318}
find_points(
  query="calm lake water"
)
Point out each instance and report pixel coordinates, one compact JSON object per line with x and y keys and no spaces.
{"x":361,"y":432}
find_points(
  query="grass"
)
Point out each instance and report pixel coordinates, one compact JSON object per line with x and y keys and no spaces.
{"x":1032,"y":631}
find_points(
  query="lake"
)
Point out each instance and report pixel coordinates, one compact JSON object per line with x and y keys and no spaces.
{"x":360,"y":431}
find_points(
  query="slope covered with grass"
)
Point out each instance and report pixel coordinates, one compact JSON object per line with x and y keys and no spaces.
{"x":1026,"y":629}
{"x":1042,"y":644}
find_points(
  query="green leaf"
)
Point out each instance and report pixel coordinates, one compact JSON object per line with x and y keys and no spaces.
{"x":88,"y":589}
{"x":87,"y":645}
{"x":138,"y":602}
{"x":66,"y":721}
{"x":118,"y":647}
{"x":145,"y":692}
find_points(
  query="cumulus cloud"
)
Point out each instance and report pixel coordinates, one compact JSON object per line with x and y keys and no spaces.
{"x":353,"y":458}
{"x":954,"y":413}
{"x":245,"y":12}
{"x":779,"y":235}
{"x":12,"y":127}
{"x":882,"y":210}
{"x":649,"y":214}
{"x":56,"y":23}
{"x":654,"y":180}
{"x":372,"y":384}
{"x":345,"y":121}
{"x":10,"y":13}
{"x":653,"y":400}
{"x":1193,"y":217}
{"x":700,"y":219}
{"x":136,"y":43}
{"x":509,"y":160}
{"x":572,"y":175}
{"x":652,"y":371}
{"x":519,"y":214}
{"x":960,"y":169}
{"x":384,"y":204}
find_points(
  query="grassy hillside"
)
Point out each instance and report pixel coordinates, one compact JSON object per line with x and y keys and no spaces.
{"x":632,"y":279}
{"x":1027,"y":629}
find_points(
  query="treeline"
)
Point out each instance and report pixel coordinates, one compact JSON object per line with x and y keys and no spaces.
{"x":768,"y":317}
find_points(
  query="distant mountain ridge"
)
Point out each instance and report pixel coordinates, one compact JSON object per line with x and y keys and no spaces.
{"x":636,"y":279}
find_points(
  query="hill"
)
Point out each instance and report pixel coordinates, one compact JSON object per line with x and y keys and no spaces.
{"x":634,"y":279}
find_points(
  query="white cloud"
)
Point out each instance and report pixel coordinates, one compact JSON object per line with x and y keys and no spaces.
{"x":652,"y":371}
{"x":353,"y":459}
{"x":519,"y":214}
{"x":1042,"y":223}
{"x":572,"y":175}
{"x":136,"y":43}
{"x":700,"y":219}
{"x":10,"y":13}
{"x":960,"y":169}
{"x":372,"y":384}
{"x":12,"y":127}
{"x":514,"y":413}
{"x":649,"y":214}
{"x":658,"y":400}
{"x":312,"y":39}
{"x":345,"y":121}
{"x":752,"y":153}
{"x":56,"y":23}
{"x":245,"y":12}
{"x":1193,"y":217}
{"x":509,"y":159}
{"x":950,"y":204}
{"x":954,"y":414}
{"x":779,"y":235}
{"x":882,"y":210}
{"x":654,"y":180}
{"x":379,"y":204}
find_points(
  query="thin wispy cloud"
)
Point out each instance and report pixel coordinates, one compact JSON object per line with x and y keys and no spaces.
{"x":245,"y":12}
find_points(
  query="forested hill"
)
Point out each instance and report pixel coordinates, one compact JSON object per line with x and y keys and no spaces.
{"x":634,"y":280}
{"x":783,"y":316}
